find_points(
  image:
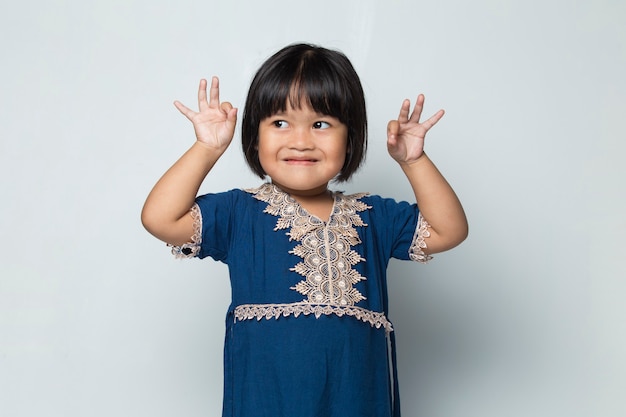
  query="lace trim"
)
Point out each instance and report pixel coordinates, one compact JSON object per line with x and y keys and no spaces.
{"x":325,"y":248}
{"x":275,"y":311}
{"x":416,"y":251}
{"x":291,"y":215}
{"x":191,"y":249}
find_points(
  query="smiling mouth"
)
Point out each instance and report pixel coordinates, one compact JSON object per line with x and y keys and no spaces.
{"x":300,"y":161}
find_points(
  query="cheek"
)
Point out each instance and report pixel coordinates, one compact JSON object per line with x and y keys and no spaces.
{"x":342,"y":152}
{"x":342,"y":162}
{"x":341,"y":155}
{"x":265,"y":155}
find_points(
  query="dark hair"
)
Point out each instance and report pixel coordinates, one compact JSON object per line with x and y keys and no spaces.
{"x":329,"y":83}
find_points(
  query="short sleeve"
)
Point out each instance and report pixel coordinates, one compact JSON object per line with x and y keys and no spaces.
{"x":213,"y":216}
{"x":402,"y":228}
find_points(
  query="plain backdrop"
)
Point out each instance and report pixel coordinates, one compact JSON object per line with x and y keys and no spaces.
{"x":526,"y":318}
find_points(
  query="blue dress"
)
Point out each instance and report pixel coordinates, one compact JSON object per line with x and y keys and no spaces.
{"x":307,"y":332}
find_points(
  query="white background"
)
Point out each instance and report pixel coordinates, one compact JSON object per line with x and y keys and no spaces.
{"x":526,"y":318}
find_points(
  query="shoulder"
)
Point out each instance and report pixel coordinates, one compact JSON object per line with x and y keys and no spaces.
{"x":387,"y":212}
{"x":235,"y":193}
{"x":373,"y":208}
{"x":377,"y":202}
{"x":227,"y":199}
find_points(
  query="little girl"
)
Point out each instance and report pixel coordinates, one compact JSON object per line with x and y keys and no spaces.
{"x":307,"y":332}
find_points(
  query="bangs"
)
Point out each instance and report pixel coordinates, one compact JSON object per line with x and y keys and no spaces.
{"x":312,"y":83}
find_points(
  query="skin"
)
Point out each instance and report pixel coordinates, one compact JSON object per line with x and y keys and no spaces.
{"x":301,"y":151}
{"x":436,"y":199}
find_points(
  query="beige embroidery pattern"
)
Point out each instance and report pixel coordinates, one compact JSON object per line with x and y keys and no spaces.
{"x":327,"y":257}
{"x":325,"y":249}
{"x":275,"y":311}
{"x":416,"y":251}
{"x":191,"y":249}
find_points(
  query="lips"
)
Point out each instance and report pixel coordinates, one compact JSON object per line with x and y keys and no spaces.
{"x":300,"y":160}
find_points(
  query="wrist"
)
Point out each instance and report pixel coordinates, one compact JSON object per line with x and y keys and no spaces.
{"x":205,"y":147}
{"x":414,"y":162}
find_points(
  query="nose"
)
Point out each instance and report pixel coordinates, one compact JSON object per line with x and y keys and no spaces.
{"x":301,"y":139}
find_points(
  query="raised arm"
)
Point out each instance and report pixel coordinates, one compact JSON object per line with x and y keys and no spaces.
{"x":166,"y":212}
{"x":437,"y":201}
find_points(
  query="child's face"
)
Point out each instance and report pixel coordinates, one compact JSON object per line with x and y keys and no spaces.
{"x":302,"y":150}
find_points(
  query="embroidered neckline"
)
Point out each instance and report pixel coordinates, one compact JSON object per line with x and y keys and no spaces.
{"x":292,"y":215}
{"x":325,"y":247}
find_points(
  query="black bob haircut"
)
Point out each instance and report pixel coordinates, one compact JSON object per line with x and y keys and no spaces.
{"x":325,"y":79}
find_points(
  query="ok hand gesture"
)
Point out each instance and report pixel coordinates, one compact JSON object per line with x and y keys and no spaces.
{"x":405,"y":136}
{"x":214,"y":123}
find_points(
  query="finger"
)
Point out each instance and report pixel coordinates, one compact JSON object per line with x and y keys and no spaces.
{"x":202,"y":103}
{"x":186,"y":111}
{"x":433,"y":120}
{"x":417,"y":110}
{"x":392,"y":130}
{"x":214,"y":93}
{"x":404,"y":110}
{"x":231,"y":112}
{"x":232,"y":115}
{"x":226,"y":107}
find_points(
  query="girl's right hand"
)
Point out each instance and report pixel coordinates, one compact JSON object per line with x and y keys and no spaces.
{"x":214,"y":123}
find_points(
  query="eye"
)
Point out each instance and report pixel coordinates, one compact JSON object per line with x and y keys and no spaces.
{"x":281,"y":124}
{"x":321,"y":125}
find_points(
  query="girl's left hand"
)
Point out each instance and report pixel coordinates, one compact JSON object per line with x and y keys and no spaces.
{"x":405,"y":136}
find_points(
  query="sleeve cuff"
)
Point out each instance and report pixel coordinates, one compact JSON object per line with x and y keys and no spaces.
{"x":192,"y":248}
{"x":416,"y":251}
